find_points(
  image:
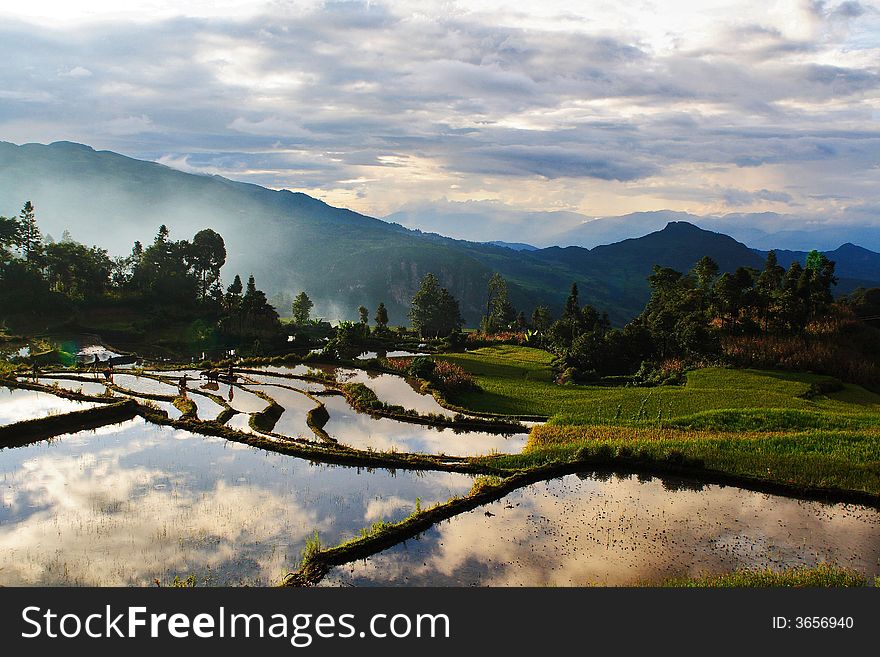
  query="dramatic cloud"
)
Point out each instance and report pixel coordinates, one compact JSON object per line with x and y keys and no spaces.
{"x":597,"y":109}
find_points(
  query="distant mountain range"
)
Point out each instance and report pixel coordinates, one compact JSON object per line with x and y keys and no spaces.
{"x":343,"y":259}
{"x":484,"y":221}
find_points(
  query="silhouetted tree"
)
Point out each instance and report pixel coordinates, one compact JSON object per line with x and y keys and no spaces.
{"x":434,"y":312}
{"x":207,"y":257}
{"x":301,"y":308}
{"x":30,"y":241}
{"x":381,"y":317}
{"x":541,"y":318}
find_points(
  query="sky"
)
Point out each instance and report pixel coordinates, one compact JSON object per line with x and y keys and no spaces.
{"x":598,"y":108}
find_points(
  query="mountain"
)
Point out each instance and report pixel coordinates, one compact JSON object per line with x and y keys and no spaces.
{"x":289,"y":241}
{"x":623,"y":267}
{"x":515,"y":246}
{"x":342,"y":259}
{"x":483,"y":221}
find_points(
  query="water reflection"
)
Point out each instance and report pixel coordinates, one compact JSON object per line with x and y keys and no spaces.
{"x":296,"y":405}
{"x":74,"y":385}
{"x":206,"y":409}
{"x":17,"y":405}
{"x":125,"y":504}
{"x":579,"y":531}
{"x":389,"y":354}
{"x":389,"y":388}
{"x":383,"y":434}
{"x":393,"y":389}
{"x":144,"y":384}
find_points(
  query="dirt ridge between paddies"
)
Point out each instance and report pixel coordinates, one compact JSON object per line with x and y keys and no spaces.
{"x":28,"y":432}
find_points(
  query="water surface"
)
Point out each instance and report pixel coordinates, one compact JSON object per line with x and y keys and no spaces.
{"x":132,"y":502}
{"x":363,"y":431}
{"x":17,"y":405}
{"x":582,"y":530}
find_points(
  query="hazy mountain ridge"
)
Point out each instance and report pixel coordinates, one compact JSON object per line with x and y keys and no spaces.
{"x":291,"y":241}
{"x":485,"y":221}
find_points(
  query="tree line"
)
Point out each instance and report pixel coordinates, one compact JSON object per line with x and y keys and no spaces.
{"x":167,"y":278}
{"x":688,"y":314}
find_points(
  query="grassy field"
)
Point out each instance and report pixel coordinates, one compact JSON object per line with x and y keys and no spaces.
{"x":519,"y":381}
{"x":764,"y":425}
{"x":821,"y":576}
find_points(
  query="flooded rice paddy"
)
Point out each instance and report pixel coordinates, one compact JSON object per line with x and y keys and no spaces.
{"x":383,"y":434}
{"x":144,"y":384}
{"x":619,"y":530}
{"x":129,"y":503}
{"x":17,"y":405}
{"x":133,"y":502}
{"x":389,"y":388}
{"x":94,"y":387}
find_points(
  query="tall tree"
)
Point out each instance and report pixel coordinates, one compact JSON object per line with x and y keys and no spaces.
{"x":235,"y":287}
{"x":541,"y":318}
{"x":10,"y":235}
{"x":381,"y":317}
{"x":363,"y":315}
{"x":500,"y":313}
{"x":434,"y":312}
{"x":572,"y":305}
{"x":76,"y":271}
{"x":301,"y":308}
{"x":768,"y":288}
{"x":207,"y":257}
{"x":704,"y":273}
{"x":30,"y":240}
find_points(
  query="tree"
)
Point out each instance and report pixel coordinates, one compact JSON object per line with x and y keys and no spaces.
{"x":434,"y":312}
{"x":364,"y":315}
{"x":302,"y":308}
{"x":705,"y":272}
{"x":255,"y":316}
{"x":76,"y":271}
{"x":207,"y":257}
{"x":768,"y":288}
{"x":10,"y":234}
{"x":500,"y":313}
{"x":735,"y":293}
{"x":820,"y":272}
{"x":381,"y":317}
{"x":541,"y":318}
{"x":165,"y":275}
{"x":572,"y":306}
{"x":30,"y":242}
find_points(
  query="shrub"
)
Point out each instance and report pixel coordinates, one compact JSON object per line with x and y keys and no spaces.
{"x":422,"y":367}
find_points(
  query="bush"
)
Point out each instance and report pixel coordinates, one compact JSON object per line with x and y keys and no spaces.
{"x":422,"y":367}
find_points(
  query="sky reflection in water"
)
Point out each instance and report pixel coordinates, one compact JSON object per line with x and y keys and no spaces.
{"x":572,"y":531}
{"x":17,"y":404}
{"x":130,"y":503}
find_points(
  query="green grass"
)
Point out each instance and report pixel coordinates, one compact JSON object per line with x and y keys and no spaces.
{"x":519,"y":381}
{"x":845,"y":460}
{"x":823,"y":575}
{"x":765,"y":425}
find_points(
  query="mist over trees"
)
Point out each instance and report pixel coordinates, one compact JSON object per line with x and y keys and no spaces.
{"x":169,"y":279}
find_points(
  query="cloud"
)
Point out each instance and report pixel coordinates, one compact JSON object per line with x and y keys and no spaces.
{"x":740,"y":197}
{"x":375,"y":104}
{"x":78,"y":72}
